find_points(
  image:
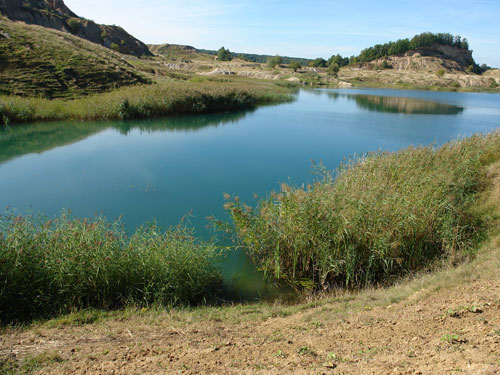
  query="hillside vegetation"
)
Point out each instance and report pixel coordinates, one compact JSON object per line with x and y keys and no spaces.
{"x":39,"y":61}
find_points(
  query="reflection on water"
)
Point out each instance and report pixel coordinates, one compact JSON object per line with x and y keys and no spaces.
{"x":392,"y":104}
{"x":19,"y":140}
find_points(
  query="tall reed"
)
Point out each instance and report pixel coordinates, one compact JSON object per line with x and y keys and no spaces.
{"x":146,"y":101}
{"x":51,"y":267}
{"x":383,"y":215}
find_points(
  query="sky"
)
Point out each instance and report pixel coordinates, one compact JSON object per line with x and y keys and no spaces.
{"x":314,"y":28}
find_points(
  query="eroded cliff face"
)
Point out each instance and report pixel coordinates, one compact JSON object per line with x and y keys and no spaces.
{"x":56,"y":15}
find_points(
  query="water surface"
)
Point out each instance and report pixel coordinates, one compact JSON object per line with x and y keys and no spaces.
{"x":167,"y":168}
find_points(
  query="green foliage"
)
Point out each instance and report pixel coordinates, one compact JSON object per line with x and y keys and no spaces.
{"x":48,"y":267}
{"x":404,"y":45}
{"x":273,"y":61}
{"x":257,"y":58}
{"x":318,"y":63}
{"x":104,"y":34}
{"x":339,"y":60}
{"x":224,"y":54}
{"x":440,"y":72}
{"x":115,"y":47}
{"x":74,"y":25}
{"x":295,"y":65}
{"x":333,"y":69}
{"x":385,"y":65}
{"x":384,"y":215}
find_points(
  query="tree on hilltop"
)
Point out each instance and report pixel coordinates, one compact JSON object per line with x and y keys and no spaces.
{"x":224,"y":54}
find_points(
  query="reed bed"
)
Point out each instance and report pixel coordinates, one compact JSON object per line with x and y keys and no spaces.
{"x":382,"y":216}
{"x":146,"y":101}
{"x":52,"y":267}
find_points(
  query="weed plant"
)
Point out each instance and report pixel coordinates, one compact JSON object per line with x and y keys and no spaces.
{"x":383,"y":215}
{"x":52,"y":267}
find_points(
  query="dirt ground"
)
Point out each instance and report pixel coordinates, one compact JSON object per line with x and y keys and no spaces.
{"x":438,"y":330}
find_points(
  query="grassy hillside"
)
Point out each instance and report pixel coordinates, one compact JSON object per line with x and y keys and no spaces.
{"x":37,"y":61}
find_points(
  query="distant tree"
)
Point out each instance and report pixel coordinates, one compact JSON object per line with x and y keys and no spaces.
{"x":440,"y":72}
{"x":273,"y":61}
{"x":224,"y":54}
{"x":295,"y":65}
{"x":404,"y":45}
{"x":318,"y":63}
{"x":333,"y":69}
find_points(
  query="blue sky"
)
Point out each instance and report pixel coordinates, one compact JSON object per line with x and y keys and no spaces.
{"x":315,"y":28}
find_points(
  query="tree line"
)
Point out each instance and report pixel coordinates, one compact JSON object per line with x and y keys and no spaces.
{"x":404,"y":45}
{"x":378,"y":51}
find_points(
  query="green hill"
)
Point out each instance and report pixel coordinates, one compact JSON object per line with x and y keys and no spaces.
{"x":39,"y":61}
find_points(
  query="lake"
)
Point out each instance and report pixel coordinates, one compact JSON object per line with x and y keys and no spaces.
{"x":165,"y":169}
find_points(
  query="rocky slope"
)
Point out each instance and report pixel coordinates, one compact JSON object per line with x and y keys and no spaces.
{"x":56,"y":15}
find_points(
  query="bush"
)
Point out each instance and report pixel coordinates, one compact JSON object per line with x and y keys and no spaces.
{"x":384,"y":215}
{"x":224,"y":54}
{"x":115,"y":47}
{"x":74,"y":25}
{"x":104,"y":34}
{"x":273,"y":61}
{"x":51,"y":267}
{"x":295,"y":65}
{"x":440,"y":72}
{"x":333,"y":69}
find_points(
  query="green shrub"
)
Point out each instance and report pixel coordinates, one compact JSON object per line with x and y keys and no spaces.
{"x":224,"y":54}
{"x":273,"y":61}
{"x":333,"y":69}
{"x":383,"y":215}
{"x":51,"y":267}
{"x":74,"y":25}
{"x":295,"y":65}
{"x":385,"y":65}
{"x":440,"y":72}
{"x":104,"y":34}
{"x":115,"y":47}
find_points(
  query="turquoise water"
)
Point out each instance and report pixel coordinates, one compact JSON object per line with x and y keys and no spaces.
{"x":169,"y":168}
